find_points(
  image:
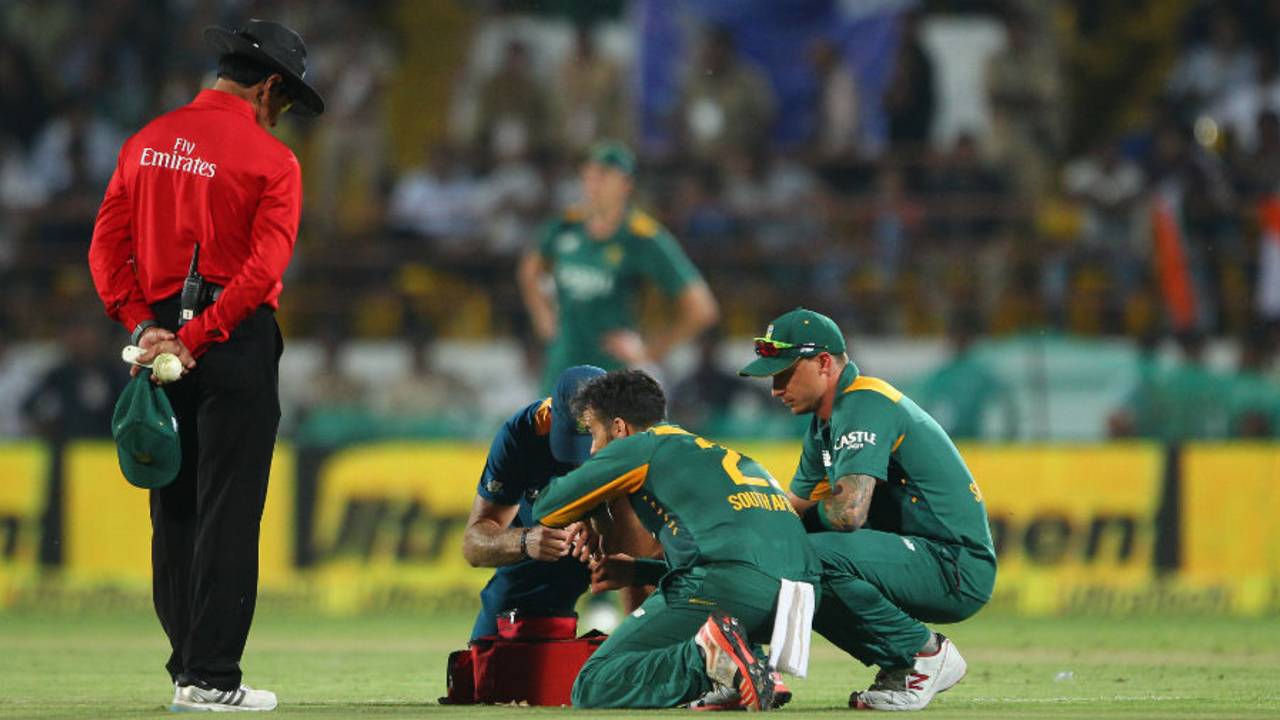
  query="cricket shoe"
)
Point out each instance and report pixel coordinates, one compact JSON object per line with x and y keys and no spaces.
{"x":911,"y":688}
{"x":731,"y":665}
{"x":198,"y":698}
{"x":723,"y":697}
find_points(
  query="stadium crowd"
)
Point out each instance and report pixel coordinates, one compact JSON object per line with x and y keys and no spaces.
{"x":1146,"y":206}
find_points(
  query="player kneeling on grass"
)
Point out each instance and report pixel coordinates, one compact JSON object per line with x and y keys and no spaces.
{"x":922,"y":550}
{"x":734,"y":548}
{"x":536,"y":575}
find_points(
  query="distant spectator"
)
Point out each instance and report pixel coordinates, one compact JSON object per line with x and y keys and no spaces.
{"x":910,"y":102}
{"x":895,"y":218}
{"x":969,"y":195}
{"x":1139,"y":414}
{"x":1240,"y":108}
{"x":514,"y":115}
{"x":590,"y":99}
{"x":705,"y":400}
{"x":22,"y":94}
{"x":16,"y":378}
{"x":1191,"y":396}
{"x":1109,"y":188}
{"x":1255,"y":398}
{"x":837,"y":126}
{"x":726,"y":105}
{"x":1258,"y":170}
{"x":778,"y":200}
{"x":964,"y":395}
{"x":76,"y":397}
{"x":510,"y":202}
{"x":436,"y":200}
{"x":351,"y":146}
{"x":75,"y":147}
{"x":1208,"y":71}
{"x":703,"y":217}
{"x":1025,"y":91}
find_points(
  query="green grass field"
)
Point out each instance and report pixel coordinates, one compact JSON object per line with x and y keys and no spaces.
{"x":110,"y":666}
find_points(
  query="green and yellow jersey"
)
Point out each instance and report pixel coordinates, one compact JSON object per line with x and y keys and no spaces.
{"x":705,"y":503}
{"x":598,"y":282}
{"x":925,"y":489}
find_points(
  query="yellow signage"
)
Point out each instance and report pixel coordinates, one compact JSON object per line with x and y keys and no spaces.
{"x":107,"y":521}
{"x":1230,"y":536}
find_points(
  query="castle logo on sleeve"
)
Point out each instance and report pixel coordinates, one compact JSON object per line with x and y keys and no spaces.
{"x":855,"y":440}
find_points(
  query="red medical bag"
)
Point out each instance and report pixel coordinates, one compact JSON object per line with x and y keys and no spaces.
{"x":532,"y":660}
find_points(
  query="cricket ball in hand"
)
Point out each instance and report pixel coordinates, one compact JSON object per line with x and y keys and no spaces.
{"x":166,"y":367}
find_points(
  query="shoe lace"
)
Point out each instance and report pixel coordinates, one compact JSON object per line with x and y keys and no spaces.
{"x":891,"y":679}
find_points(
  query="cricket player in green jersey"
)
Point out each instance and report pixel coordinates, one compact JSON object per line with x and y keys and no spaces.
{"x":900,"y":524}
{"x":731,"y":541}
{"x":600,"y":254}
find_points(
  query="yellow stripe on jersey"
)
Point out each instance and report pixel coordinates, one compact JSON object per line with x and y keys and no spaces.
{"x":669,"y":430}
{"x":643,"y":225}
{"x":898,"y":443}
{"x":821,"y":491}
{"x":542,"y":418}
{"x":624,"y":484}
{"x":875,"y":385}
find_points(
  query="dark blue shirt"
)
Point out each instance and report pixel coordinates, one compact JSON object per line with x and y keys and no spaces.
{"x":519,"y":466}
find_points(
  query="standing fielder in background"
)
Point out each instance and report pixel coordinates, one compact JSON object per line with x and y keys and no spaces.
{"x":210,"y":175}
{"x":536,"y":574}
{"x":730,"y":538}
{"x":598,"y":255}
{"x":920,"y":551}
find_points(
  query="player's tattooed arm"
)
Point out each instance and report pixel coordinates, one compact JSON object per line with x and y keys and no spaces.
{"x":850,"y":500}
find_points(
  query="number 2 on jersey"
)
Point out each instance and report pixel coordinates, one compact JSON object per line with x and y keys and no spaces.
{"x":730,"y":464}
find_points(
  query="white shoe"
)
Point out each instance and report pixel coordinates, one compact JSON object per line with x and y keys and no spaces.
{"x":912,"y":688}
{"x":193,"y":698}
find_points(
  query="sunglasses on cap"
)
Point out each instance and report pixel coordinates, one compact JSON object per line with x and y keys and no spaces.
{"x":775,"y":348}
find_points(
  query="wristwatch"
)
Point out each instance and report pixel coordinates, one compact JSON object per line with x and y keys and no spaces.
{"x":142,"y":327}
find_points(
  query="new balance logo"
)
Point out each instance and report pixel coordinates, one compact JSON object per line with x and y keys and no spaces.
{"x":916,"y":681}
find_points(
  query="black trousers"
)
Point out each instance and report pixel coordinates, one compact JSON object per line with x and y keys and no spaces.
{"x":204,"y":542}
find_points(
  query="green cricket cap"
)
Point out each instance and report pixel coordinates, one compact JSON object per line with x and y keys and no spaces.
{"x":614,"y":154}
{"x":801,"y":333}
{"x":146,"y":434}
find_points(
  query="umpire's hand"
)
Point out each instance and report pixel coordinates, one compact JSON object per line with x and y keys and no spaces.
{"x":548,"y":544}
{"x":156,"y":340}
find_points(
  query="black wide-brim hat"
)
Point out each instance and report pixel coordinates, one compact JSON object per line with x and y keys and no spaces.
{"x":279,"y":48}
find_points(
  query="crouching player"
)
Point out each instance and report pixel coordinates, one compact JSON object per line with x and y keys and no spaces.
{"x":730,"y":538}
{"x":536,"y":574}
{"x":919,"y":552}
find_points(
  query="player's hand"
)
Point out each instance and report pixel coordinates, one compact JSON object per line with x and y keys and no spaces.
{"x":547,"y":544}
{"x":585,"y":544}
{"x":612,"y":572}
{"x":627,"y":346}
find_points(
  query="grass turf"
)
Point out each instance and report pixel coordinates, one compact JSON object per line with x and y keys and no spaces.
{"x":110,"y":666}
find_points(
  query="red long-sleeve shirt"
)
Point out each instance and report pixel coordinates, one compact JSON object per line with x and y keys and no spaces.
{"x":205,"y":173}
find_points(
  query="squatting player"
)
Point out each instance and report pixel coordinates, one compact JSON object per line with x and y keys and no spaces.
{"x":919,"y":551}
{"x":536,"y":574}
{"x":729,"y":536}
{"x":599,"y":255}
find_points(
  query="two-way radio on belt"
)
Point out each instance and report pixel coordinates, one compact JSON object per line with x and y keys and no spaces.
{"x":192,"y":289}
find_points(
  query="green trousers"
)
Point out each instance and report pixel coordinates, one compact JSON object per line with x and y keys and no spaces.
{"x":877,"y":587}
{"x":651,"y":661}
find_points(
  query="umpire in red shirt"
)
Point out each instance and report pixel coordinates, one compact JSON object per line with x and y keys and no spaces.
{"x":210,"y":176}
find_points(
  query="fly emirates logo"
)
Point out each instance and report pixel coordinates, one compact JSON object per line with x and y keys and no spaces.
{"x":180,"y":158}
